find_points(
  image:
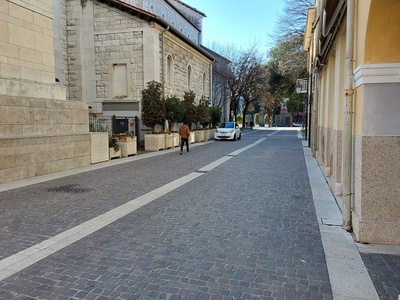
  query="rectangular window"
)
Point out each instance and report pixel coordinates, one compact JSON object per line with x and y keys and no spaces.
{"x":120,"y":81}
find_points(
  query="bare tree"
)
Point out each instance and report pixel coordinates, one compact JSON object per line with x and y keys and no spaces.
{"x":288,"y":58}
{"x":248,"y":82}
{"x":292,"y":21}
{"x":287,"y":61}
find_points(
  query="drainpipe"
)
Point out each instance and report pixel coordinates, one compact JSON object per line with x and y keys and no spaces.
{"x":162,"y":62}
{"x":313,"y":136}
{"x":348,"y":119}
{"x":211,"y":85}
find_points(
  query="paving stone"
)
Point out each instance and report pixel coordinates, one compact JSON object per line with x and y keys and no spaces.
{"x":246,"y":229}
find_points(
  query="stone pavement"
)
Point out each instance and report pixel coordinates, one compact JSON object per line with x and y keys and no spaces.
{"x":165,"y":226}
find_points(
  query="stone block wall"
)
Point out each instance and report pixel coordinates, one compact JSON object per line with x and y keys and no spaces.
{"x":27,"y":40}
{"x":184,"y":55}
{"x":33,"y":109}
{"x":25,"y":157}
{"x":40,"y":130}
{"x":118,"y":38}
{"x":121,"y":38}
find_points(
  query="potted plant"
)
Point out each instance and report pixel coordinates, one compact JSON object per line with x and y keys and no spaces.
{"x":173,"y":114}
{"x":127,"y":142}
{"x":168,"y":139}
{"x":114,"y":148}
{"x":153,"y":113}
{"x":189,"y":111}
{"x":203,"y":117}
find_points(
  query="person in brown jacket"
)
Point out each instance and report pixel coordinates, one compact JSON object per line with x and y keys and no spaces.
{"x":184,"y":132}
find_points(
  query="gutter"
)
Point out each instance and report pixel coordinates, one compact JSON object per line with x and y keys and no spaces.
{"x":162,"y":60}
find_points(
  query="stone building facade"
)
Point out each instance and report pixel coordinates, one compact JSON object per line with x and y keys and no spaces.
{"x":40,"y":130}
{"x":61,"y":60}
{"x":354,"y":88}
{"x":114,"y":48}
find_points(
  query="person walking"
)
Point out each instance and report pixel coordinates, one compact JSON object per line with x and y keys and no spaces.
{"x":184,"y":132}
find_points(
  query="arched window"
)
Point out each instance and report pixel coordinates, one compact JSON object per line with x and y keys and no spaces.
{"x":189,"y":77}
{"x":170,"y":71}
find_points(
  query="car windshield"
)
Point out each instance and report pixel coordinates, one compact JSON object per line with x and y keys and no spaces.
{"x":227,"y":125}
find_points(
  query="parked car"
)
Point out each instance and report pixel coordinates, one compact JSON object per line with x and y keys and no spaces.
{"x":297,"y":124}
{"x":280,"y":124}
{"x":228,"y":131}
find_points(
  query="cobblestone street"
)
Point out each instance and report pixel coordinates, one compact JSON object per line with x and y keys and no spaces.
{"x":229,"y":220}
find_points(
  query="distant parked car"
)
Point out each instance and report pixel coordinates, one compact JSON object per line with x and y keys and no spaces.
{"x":297,"y":124}
{"x":280,"y":124}
{"x":228,"y":131}
{"x":261,"y":124}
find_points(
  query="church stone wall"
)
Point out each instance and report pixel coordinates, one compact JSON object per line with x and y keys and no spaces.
{"x":40,"y":132}
{"x":184,"y":55}
{"x":118,"y":38}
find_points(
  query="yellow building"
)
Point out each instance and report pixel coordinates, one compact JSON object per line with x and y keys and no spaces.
{"x":354,"y":108}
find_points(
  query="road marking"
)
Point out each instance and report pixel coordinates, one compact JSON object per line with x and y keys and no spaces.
{"x":25,"y":258}
{"x":214,"y":164}
{"x":234,"y":153}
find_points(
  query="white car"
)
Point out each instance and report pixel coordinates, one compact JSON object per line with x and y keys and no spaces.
{"x":297,"y":124}
{"x":228,"y":131}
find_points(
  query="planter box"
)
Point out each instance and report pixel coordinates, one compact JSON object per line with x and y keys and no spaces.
{"x":175,"y":139}
{"x":212,"y":133}
{"x":99,"y":147}
{"x":199,"y":136}
{"x":128,"y":146}
{"x":192,"y":139}
{"x":168,"y":141}
{"x":154,"y":142}
{"x":206,"y":134}
{"x":114,"y":154}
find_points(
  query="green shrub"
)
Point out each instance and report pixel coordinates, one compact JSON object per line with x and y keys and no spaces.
{"x":153,"y":107}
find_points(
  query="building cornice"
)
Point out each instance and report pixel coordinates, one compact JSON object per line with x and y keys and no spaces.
{"x":377,"y":73}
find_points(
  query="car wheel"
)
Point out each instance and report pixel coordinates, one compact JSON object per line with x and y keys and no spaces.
{"x":234,"y":137}
{"x":240,"y":136}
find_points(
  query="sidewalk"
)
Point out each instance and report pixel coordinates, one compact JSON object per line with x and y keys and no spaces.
{"x":347,"y":270}
{"x":348,"y":263}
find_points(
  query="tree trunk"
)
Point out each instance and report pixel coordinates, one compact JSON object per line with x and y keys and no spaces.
{"x":244,"y":115}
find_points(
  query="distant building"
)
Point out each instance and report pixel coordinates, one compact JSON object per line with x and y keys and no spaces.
{"x":220,"y":88}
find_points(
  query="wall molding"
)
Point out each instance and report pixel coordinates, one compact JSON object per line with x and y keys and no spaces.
{"x":41,"y":7}
{"x":376,"y":73}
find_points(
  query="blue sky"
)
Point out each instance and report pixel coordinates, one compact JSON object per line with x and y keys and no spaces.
{"x":238,"y":22}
